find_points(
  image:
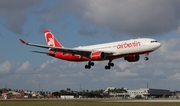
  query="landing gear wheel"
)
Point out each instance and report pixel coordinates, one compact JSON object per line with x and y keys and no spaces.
{"x":110,"y":64}
{"x":87,"y":66}
{"x":107,"y":67}
{"x":92,"y":63}
{"x":146,"y":58}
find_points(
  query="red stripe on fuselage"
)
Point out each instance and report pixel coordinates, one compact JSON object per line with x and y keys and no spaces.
{"x":78,"y":58}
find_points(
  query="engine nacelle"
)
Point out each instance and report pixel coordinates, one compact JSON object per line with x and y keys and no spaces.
{"x":98,"y":55}
{"x":132,"y":58}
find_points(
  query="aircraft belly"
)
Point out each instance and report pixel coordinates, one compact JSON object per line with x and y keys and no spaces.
{"x":70,"y":57}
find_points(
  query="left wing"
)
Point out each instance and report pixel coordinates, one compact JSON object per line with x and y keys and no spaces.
{"x":75,"y":51}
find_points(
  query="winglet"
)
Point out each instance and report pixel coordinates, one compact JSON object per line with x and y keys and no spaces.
{"x":22,"y":41}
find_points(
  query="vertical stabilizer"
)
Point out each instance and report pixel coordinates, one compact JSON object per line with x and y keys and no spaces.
{"x":51,"y":40}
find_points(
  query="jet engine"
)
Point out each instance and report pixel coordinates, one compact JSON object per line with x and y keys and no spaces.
{"x":98,"y":55}
{"x":132,"y":58}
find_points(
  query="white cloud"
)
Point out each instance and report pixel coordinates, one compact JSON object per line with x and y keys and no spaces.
{"x":71,"y":75}
{"x":26,"y":66}
{"x":178,"y":30}
{"x":15,"y":12}
{"x":158,"y":73}
{"x":125,"y":73}
{"x":174,"y":77}
{"x":123,"y":64}
{"x":129,"y":17}
{"x":47,"y":64}
{"x":5,"y":67}
{"x":170,"y":50}
{"x":122,"y":17}
{"x":177,"y":76}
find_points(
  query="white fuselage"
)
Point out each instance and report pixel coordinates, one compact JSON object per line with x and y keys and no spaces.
{"x":125,"y":47}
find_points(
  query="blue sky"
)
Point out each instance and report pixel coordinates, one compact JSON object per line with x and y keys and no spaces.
{"x":86,"y":22}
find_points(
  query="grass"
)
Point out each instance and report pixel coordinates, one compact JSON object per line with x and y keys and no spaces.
{"x":11,"y":103}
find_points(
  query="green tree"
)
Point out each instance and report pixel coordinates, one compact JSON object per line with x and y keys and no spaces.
{"x":138,"y":97}
{"x":56,"y":94}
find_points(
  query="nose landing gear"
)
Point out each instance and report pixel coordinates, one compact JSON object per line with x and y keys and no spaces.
{"x":146,"y":58}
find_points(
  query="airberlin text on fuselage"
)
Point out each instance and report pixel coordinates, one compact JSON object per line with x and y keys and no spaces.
{"x":128,"y":45}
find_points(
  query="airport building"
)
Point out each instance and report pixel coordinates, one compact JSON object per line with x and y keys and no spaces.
{"x":108,"y":88}
{"x":176,"y":94}
{"x":149,"y":92}
{"x":143,"y":92}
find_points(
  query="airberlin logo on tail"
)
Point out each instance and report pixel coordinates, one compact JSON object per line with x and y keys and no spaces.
{"x":128,"y":45}
{"x":51,"y":42}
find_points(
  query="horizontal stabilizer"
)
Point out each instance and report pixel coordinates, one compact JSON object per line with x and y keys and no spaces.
{"x":49,"y":54}
{"x":40,"y":52}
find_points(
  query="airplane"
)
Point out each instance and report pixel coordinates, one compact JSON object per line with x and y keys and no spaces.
{"x":128,"y":49}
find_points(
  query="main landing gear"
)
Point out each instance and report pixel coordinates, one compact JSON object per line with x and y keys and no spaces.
{"x":88,"y":66}
{"x":110,"y":64}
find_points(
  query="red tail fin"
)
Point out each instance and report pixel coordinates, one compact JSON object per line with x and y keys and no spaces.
{"x":51,"y":40}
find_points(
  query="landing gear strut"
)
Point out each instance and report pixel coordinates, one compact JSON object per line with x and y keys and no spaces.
{"x":146,"y":57}
{"x":110,"y":64}
{"x":88,"y":66}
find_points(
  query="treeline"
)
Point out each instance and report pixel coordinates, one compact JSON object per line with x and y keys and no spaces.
{"x":77,"y":94}
{"x":83,"y":94}
{"x":88,"y":94}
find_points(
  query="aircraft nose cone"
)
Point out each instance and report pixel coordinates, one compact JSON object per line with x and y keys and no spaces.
{"x":158,"y":45}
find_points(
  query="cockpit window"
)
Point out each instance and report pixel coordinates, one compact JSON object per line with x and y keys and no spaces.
{"x":153,"y":41}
